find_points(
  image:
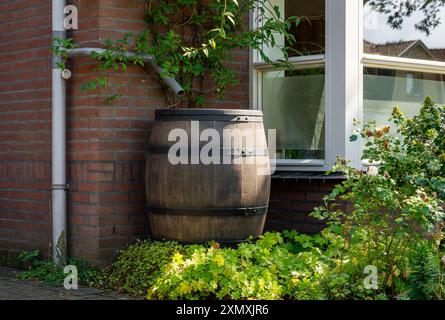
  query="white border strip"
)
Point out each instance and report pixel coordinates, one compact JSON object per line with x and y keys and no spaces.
{"x":404,"y":64}
{"x":303,"y":62}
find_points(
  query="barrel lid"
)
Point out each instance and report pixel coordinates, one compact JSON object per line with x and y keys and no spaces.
{"x":209,"y":112}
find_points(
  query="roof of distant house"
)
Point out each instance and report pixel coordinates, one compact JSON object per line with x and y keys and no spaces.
{"x":389,"y":49}
{"x":439,"y":54}
{"x":400,"y":48}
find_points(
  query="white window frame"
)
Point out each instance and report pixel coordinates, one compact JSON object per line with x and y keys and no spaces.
{"x":343,"y":83}
{"x":344,"y":63}
{"x":403,"y":64}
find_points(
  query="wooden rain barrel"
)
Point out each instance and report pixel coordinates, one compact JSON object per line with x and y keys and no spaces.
{"x":197,"y":202}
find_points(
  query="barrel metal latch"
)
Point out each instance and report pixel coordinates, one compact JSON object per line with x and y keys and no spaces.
{"x":243,"y":119}
{"x":250,"y":212}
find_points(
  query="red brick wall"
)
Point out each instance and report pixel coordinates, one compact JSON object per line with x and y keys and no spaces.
{"x":291,"y":203}
{"x":106,"y":143}
{"x":25,"y":126}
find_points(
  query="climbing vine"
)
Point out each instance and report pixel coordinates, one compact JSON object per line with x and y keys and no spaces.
{"x":193,"y":41}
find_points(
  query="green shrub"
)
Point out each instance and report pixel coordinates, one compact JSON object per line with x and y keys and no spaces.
{"x":136,"y":267}
{"x":50,"y":273}
{"x":275,"y":267}
{"x":425,"y":279}
{"x":45,"y":271}
{"x":6,"y":260}
{"x":394,"y":224}
{"x":394,"y":204}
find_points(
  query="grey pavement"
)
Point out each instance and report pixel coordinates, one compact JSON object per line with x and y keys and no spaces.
{"x":13,"y":289}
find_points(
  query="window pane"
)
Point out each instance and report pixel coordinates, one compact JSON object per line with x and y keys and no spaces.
{"x":415,"y":31}
{"x":384,"y":89}
{"x":309,"y":34}
{"x":294,"y":105}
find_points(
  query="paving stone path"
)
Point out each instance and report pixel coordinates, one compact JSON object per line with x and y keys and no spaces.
{"x":13,"y":289}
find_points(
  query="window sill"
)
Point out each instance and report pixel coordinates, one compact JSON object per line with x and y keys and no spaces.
{"x":308,"y":176}
{"x":299,"y":165}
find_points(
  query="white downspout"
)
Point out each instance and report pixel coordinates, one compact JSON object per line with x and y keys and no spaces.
{"x":169,"y":81}
{"x":59,"y":186}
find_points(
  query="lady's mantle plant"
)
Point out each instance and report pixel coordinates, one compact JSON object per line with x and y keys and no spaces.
{"x":194,"y":41}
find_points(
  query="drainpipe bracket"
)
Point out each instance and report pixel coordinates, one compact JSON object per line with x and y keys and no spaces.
{"x":60,"y":187}
{"x":66,"y":74}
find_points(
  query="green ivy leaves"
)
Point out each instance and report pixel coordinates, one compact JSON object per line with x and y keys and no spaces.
{"x":195,"y":43}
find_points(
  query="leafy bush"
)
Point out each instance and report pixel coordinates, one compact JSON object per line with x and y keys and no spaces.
{"x":50,"y":273}
{"x":425,"y":280}
{"x":393,"y":225}
{"x":417,"y":161}
{"x":396,"y":202}
{"x":277,"y":266}
{"x":136,"y":267}
{"x":9,"y":261}
{"x":284,"y":265}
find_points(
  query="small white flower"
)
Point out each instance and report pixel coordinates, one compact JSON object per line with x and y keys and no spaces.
{"x":373,"y":171}
{"x":319,"y":269}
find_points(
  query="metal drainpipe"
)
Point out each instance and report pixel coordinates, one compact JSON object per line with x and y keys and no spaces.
{"x":169,"y":81}
{"x":59,"y":186}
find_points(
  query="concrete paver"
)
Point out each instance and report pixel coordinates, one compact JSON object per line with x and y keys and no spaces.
{"x":13,"y":289}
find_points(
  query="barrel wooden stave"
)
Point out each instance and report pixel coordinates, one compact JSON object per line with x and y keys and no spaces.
{"x":200,"y":187}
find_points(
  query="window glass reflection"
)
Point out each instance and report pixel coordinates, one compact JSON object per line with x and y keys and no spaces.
{"x":406,"y":29}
